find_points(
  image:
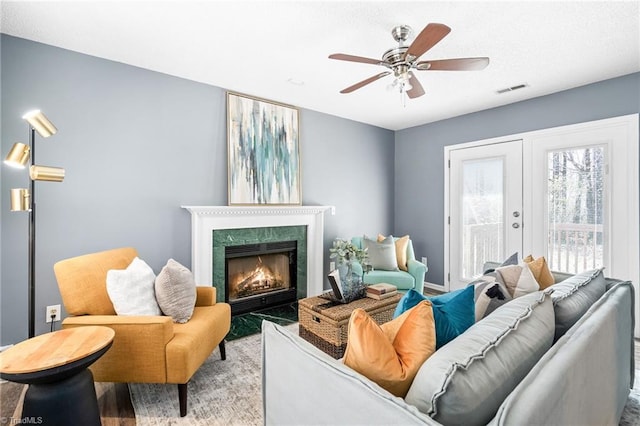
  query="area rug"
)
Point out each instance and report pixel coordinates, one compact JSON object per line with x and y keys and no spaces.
{"x":230,"y":393}
{"x":631,"y":413}
{"x":220,"y":393}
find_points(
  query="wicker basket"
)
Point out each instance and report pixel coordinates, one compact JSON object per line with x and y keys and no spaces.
{"x":324,"y":323}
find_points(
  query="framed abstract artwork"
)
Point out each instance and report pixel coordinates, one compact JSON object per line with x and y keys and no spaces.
{"x":263,"y":152}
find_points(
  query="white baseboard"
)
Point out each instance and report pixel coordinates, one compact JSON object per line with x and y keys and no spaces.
{"x":433,"y":286}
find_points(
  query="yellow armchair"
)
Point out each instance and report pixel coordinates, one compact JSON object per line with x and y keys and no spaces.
{"x":146,"y":349}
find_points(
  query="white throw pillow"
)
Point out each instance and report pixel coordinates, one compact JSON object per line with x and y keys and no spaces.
{"x":132,"y":291}
{"x":176,"y":291}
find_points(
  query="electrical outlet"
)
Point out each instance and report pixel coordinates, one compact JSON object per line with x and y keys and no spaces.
{"x":52,"y":311}
{"x":332,"y":266}
{"x":424,"y":260}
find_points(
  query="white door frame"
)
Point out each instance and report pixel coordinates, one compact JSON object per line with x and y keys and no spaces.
{"x":633,"y":197}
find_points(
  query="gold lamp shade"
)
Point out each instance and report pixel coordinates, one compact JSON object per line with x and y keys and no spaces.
{"x":18,"y":156}
{"x":50,"y":174}
{"x":20,"y":200}
{"x":40,"y":123}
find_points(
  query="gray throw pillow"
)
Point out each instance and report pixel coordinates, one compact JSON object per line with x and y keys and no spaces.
{"x":382,"y":255}
{"x":574,"y":296}
{"x":465,"y":381}
{"x":511,"y":260}
{"x":176,"y":291}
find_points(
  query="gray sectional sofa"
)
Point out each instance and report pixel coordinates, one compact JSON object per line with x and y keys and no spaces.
{"x":555,"y":357}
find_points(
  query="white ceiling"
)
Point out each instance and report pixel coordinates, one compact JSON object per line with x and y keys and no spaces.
{"x":256,"y":47}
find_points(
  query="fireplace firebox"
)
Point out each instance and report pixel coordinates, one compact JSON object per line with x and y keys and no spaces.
{"x":260,"y":275}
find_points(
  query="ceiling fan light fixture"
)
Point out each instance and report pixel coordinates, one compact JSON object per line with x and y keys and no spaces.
{"x":401,"y":60}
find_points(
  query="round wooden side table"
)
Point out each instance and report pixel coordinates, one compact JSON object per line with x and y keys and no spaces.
{"x":54,"y":365}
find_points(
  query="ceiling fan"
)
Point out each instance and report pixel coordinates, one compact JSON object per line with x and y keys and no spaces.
{"x":402,"y":59}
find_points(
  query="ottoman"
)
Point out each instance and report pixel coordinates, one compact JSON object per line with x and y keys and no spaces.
{"x":324,"y":323}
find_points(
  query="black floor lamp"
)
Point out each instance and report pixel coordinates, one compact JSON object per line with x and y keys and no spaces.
{"x":23,"y":199}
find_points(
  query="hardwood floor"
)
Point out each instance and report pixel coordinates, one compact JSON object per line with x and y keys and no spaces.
{"x":115,"y":406}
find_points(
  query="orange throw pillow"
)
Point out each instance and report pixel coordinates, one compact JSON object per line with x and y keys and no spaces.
{"x":391,"y":354}
{"x":540,"y":271}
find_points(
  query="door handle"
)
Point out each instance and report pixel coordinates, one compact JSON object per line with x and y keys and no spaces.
{"x":516,"y":214}
{"x":516,"y":225}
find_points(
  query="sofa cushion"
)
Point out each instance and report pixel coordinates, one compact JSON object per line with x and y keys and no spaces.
{"x":132,"y":291}
{"x":176,"y":291}
{"x":466,"y":381}
{"x":574,"y":296}
{"x":453,"y":312}
{"x":382,"y":254}
{"x":392,"y":353}
{"x":402,"y":280}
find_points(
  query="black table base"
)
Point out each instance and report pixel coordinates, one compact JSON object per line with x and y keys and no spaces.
{"x":69,"y":401}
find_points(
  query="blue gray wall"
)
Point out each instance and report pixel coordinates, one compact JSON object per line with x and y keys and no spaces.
{"x":137,"y":145}
{"x":419,"y":156}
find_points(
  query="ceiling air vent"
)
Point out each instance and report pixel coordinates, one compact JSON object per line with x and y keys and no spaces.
{"x":512,"y":88}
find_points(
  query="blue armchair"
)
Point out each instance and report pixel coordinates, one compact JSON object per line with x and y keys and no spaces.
{"x":404,"y":280}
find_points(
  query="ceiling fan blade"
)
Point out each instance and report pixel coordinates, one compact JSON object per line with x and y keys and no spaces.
{"x":428,"y":37}
{"x":416,"y":88}
{"x":351,"y":58}
{"x":458,"y":64}
{"x":365,"y":82}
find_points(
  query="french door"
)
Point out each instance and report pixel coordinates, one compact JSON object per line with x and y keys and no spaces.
{"x":486,"y":214}
{"x":568,"y":193}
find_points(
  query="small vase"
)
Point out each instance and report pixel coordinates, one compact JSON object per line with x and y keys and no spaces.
{"x":352,"y":286}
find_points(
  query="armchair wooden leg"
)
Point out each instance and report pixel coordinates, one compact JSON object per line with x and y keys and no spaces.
{"x":223,"y":352}
{"x":182,"y":397}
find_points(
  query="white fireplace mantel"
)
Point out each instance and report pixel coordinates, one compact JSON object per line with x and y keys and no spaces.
{"x":206,"y":219}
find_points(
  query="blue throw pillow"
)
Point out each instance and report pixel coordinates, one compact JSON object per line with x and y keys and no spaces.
{"x":453,"y":312}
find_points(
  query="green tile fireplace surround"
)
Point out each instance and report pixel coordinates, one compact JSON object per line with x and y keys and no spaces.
{"x":223,"y":238}
{"x":229,"y":225}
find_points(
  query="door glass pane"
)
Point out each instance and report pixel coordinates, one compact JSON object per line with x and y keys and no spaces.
{"x":576,"y":209}
{"x":482,"y":214}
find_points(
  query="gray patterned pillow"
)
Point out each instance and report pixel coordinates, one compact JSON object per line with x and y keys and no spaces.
{"x":489,"y":294}
{"x":176,"y":291}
